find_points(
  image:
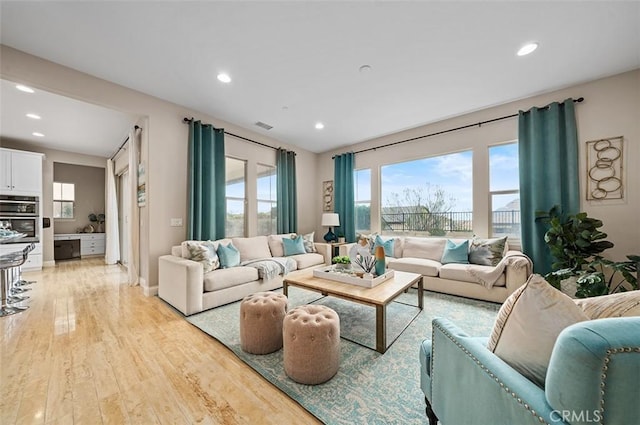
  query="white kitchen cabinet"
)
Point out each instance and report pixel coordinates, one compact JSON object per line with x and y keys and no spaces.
{"x":21,"y":172}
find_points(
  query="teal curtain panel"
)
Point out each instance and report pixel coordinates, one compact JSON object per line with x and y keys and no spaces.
{"x":287,"y":217}
{"x":343,"y":195}
{"x":207,"y":205}
{"x":548,"y":146}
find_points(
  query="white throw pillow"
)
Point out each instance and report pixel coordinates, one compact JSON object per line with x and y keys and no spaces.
{"x":528,"y":325}
{"x":253,"y":248}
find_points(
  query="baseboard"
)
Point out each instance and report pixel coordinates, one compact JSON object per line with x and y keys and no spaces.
{"x":49,"y":263}
{"x":150,"y":291}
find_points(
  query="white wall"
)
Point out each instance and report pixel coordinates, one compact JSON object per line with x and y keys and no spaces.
{"x":164,"y":149}
{"x":611,"y":108}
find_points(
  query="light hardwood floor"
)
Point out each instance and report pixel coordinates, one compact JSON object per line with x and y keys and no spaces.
{"x":92,"y":350}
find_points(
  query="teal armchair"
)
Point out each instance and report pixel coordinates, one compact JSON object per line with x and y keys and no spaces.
{"x":593,"y":378}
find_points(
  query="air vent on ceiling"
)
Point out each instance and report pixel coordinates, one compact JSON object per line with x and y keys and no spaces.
{"x":263,"y":125}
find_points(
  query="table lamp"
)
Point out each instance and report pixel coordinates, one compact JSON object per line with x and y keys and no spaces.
{"x":330,"y":220}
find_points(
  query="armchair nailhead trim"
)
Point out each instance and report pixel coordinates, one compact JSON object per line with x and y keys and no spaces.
{"x":605,"y":367}
{"x":484,"y":368}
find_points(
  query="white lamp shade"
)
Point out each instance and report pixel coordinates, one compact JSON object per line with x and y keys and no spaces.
{"x":330,"y":219}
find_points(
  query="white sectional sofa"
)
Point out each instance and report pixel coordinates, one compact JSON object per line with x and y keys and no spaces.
{"x":423,"y":255}
{"x":184,"y":284}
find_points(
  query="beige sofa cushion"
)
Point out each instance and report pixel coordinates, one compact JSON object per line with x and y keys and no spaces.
{"x":415,"y":265}
{"x":275,"y":244}
{"x":428,"y":248}
{"x":454,"y":271}
{"x":528,"y":324}
{"x":309,"y":259}
{"x":252,"y":248}
{"x":226,"y":278}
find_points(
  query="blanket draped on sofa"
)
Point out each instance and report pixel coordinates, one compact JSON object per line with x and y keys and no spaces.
{"x":269,"y":268}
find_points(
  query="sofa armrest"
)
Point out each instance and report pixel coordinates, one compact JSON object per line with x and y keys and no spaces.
{"x":517,"y":270}
{"x":463,"y":369}
{"x":181,"y":283}
{"x":325,"y":250}
{"x":594,"y":371}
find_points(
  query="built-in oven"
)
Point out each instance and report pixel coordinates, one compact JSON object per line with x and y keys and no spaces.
{"x":18,"y":206}
{"x":25,"y":225}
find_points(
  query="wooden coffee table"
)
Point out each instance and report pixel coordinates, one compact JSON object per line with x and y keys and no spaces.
{"x":379,"y":296}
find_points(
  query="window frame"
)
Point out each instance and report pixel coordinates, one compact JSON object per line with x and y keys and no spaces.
{"x":64,"y":200}
{"x":493,"y":193}
{"x":235,"y":198}
{"x":362,"y":201}
{"x":273,"y":202}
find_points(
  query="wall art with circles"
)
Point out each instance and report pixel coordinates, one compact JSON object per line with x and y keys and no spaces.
{"x":605,"y":169}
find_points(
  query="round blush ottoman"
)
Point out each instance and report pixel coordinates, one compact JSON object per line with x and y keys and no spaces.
{"x":311,"y":339}
{"x":261,"y":316}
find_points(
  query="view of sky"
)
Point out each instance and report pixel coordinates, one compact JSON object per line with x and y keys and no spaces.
{"x":452,"y":173}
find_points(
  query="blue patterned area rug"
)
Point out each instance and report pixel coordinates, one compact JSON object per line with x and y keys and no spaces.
{"x":369,"y":388}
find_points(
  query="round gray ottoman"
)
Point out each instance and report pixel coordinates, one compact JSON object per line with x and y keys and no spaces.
{"x":311,"y":338}
{"x":261,"y":316}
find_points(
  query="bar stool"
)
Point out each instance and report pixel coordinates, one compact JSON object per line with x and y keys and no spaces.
{"x":9,"y":272}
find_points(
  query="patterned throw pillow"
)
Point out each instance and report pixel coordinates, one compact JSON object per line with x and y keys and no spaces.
{"x":229,"y":256}
{"x":487,"y":252}
{"x":203,"y":252}
{"x":309,"y":245}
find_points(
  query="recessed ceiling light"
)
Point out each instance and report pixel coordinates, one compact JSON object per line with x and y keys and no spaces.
{"x":24,"y":88}
{"x":34,"y":116}
{"x":527,"y":48}
{"x":319,"y":126}
{"x":224,"y":78}
{"x":35,"y":133}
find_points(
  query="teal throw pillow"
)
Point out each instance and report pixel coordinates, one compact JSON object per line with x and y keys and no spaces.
{"x":456,"y":252}
{"x":487,"y":252}
{"x":229,"y":256}
{"x":387,"y":245}
{"x":293,"y":246}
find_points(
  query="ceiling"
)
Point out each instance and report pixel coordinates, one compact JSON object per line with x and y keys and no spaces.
{"x":296,"y":63}
{"x":67,"y":124}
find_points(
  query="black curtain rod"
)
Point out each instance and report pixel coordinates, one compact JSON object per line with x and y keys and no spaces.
{"x":135,"y":127}
{"x":479,"y":124}
{"x":186,"y":120}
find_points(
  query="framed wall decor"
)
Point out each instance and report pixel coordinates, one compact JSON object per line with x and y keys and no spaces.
{"x":327,"y":195}
{"x":605,"y":169}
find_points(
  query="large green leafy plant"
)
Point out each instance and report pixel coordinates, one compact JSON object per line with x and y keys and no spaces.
{"x":576,"y":243}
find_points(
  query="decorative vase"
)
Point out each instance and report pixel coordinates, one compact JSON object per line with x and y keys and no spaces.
{"x":380,"y":261}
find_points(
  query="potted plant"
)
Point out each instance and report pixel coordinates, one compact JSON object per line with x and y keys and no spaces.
{"x":99,"y":219}
{"x":576,"y":243}
{"x":342,"y":262}
{"x":341,"y":238}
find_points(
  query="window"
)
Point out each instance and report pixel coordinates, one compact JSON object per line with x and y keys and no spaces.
{"x":267,"y":200}
{"x":504,"y":190}
{"x":235,"y":197}
{"x":362,"y":196}
{"x":428,"y":197}
{"x":63,"y":199}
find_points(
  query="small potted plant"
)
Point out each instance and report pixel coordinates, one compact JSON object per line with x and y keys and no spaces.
{"x":341,"y":238}
{"x":342,"y":262}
